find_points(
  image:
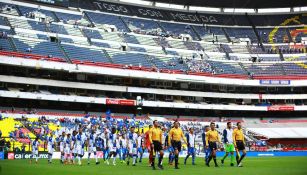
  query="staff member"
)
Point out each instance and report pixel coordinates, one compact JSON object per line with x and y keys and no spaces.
{"x":155,"y":138}
{"x":174,"y":138}
{"x":238,"y":140}
{"x":212,"y":138}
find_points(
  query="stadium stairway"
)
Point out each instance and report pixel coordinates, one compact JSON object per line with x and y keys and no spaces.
{"x":55,"y":16}
{"x":108,"y":56}
{"x":255,"y":31}
{"x":125,"y":24}
{"x":196,"y":33}
{"x":18,"y":10}
{"x":12,"y":30}
{"x":13,"y":45}
{"x":64,"y":53}
{"x":226,"y":34}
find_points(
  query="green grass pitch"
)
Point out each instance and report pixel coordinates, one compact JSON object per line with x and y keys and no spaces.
{"x":252,"y":166}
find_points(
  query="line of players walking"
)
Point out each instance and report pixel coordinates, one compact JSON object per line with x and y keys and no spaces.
{"x":132,"y":144}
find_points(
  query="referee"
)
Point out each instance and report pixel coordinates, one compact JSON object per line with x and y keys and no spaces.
{"x":155,"y":138}
{"x":174,"y":139}
{"x":212,"y":137}
{"x":238,"y":140}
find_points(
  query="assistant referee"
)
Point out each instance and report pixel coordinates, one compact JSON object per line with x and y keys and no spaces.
{"x":212,"y":138}
{"x":174,"y":138}
{"x":155,"y":138}
{"x":239,"y":142}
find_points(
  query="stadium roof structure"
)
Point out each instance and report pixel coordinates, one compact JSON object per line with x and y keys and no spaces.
{"x":237,"y":3}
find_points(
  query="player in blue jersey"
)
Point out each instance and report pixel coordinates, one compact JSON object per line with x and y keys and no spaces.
{"x":80,"y":142}
{"x":51,"y":147}
{"x":61,"y":140}
{"x":140,"y":147}
{"x":191,"y":146}
{"x":67,"y":149}
{"x":206,"y":150}
{"x":92,"y":146}
{"x":34,"y":145}
{"x":123,"y":149}
{"x":74,"y":146}
{"x":112,"y":146}
{"x":132,"y":145}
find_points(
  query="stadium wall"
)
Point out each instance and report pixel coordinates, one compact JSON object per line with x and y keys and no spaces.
{"x":57,"y":155}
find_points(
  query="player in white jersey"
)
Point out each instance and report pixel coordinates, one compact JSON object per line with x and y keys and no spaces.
{"x":91,"y":140}
{"x":35,"y":145}
{"x":61,"y":140}
{"x":74,"y":145}
{"x":67,"y":149}
{"x":132,"y":143}
{"x":51,"y":147}
{"x":80,"y":142}
{"x":191,"y":146}
{"x":112,"y":146}
{"x":228,"y":144}
{"x":104,"y":145}
{"x":140,"y":147}
{"x":123,"y":149}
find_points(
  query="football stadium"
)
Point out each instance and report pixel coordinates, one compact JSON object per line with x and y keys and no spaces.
{"x":146,"y":87}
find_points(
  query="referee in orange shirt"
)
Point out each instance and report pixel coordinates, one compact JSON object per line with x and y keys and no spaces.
{"x":174,"y":138}
{"x":239,"y":143}
{"x":212,"y":138}
{"x":155,"y":138}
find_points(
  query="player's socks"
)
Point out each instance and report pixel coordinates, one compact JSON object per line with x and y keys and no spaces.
{"x":176,"y":161}
{"x":88,"y":158}
{"x":96,"y":158}
{"x":224,"y":157}
{"x":114,"y":160}
{"x":193,"y":159}
{"x":79,"y":160}
{"x":186,"y":158}
{"x":237,"y":159}
{"x":209,"y":159}
{"x":214,"y":159}
{"x":242,"y":157}
{"x":153,"y":162}
{"x":160,"y":160}
{"x":140,"y":159}
{"x":232,"y":159}
{"x":134,"y":160}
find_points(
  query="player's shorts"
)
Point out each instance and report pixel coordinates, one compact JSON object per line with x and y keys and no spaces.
{"x":124,"y":151}
{"x":79,"y":150}
{"x":132,"y":149}
{"x":148,"y":147}
{"x":191,"y":150}
{"x":61,"y":148}
{"x":171,"y":149}
{"x":74,"y":150}
{"x":176,"y":145}
{"x":207,"y":152}
{"x":157,"y":145}
{"x":229,"y":147}
{"x":112,"y":149}
{"x":212,"y":146}
{"x":92,"y":149}
{"x":35,"y":152}
{"x":140,"y":150}
{"x":67,"y":150}
{"x":240,"y":145}
{"x":50,"y":149}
